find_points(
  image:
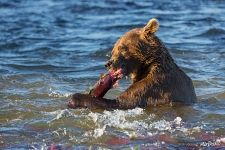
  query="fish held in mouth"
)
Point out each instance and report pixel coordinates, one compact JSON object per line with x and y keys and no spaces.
{"x":106,"y":82}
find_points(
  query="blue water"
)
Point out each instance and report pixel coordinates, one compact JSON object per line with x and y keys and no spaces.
{"x":51,"y":49}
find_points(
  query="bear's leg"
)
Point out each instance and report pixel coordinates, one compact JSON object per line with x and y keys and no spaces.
{"x":79,"y":100}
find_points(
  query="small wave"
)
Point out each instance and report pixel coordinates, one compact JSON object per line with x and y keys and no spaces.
{"x":206,"y":19}
{"x":122,"y":27}
{"x":212,"y":32}
{"x":221,"y":95}
{"x":117,"y":119}
{"x":212,"y":105}
{"x":8,"y":5}
{"x":91,"y":8}
{"x":102,"y":53}
{"x":35,"y":66}
{"x":56,"y":94}
{"x":58,"y":114}
{"x":127,"y":123}
{"x":5,"y":47}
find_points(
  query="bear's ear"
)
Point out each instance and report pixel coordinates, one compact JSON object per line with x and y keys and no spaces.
{"x":151,"y":27}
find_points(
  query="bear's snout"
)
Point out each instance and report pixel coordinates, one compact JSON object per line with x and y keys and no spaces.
{"x":109,"y":63}
{"x":71,"y":104}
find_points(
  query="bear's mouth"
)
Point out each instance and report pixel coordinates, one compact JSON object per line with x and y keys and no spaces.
{"x":116,"y":74}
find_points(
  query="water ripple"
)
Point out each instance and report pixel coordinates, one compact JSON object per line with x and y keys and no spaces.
{"x":51,"y":49}
{"x":213,"y":32}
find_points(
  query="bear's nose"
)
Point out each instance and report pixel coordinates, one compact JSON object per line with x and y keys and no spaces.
{"x":71,"y":104}
{"x":109,"y":63}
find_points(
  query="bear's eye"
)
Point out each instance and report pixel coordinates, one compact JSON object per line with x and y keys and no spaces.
{"x":123,"y":48}
{"x":124,"y":51}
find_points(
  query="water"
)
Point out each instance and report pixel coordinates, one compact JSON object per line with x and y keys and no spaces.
{"x":51,"y":49}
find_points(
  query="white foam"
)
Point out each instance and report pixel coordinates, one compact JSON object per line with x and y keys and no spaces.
{"x":221,"y":140}
{"x":177,"y":120}
{"x":161,"y":125}
{"x":58,"y":114}
{"x":93,"y":116}
{"x":99,"y":131}
{"x":128,"y":123}
{"x":119,"y":119}
{"x":56,"y":94}
{"x":132,"y":123}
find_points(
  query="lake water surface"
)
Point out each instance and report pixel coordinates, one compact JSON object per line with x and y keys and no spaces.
{"x":50,"y":49}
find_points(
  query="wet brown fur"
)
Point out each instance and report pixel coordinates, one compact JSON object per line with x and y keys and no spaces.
{"x":156,"y":79}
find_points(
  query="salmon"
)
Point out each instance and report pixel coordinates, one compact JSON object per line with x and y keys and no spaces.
{"x":105,"y":83}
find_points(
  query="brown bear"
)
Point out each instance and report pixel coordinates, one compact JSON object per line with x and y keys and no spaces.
{"x":156,"y":79}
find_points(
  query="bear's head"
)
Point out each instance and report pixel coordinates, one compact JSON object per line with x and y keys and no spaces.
{"x":135,"y":51}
